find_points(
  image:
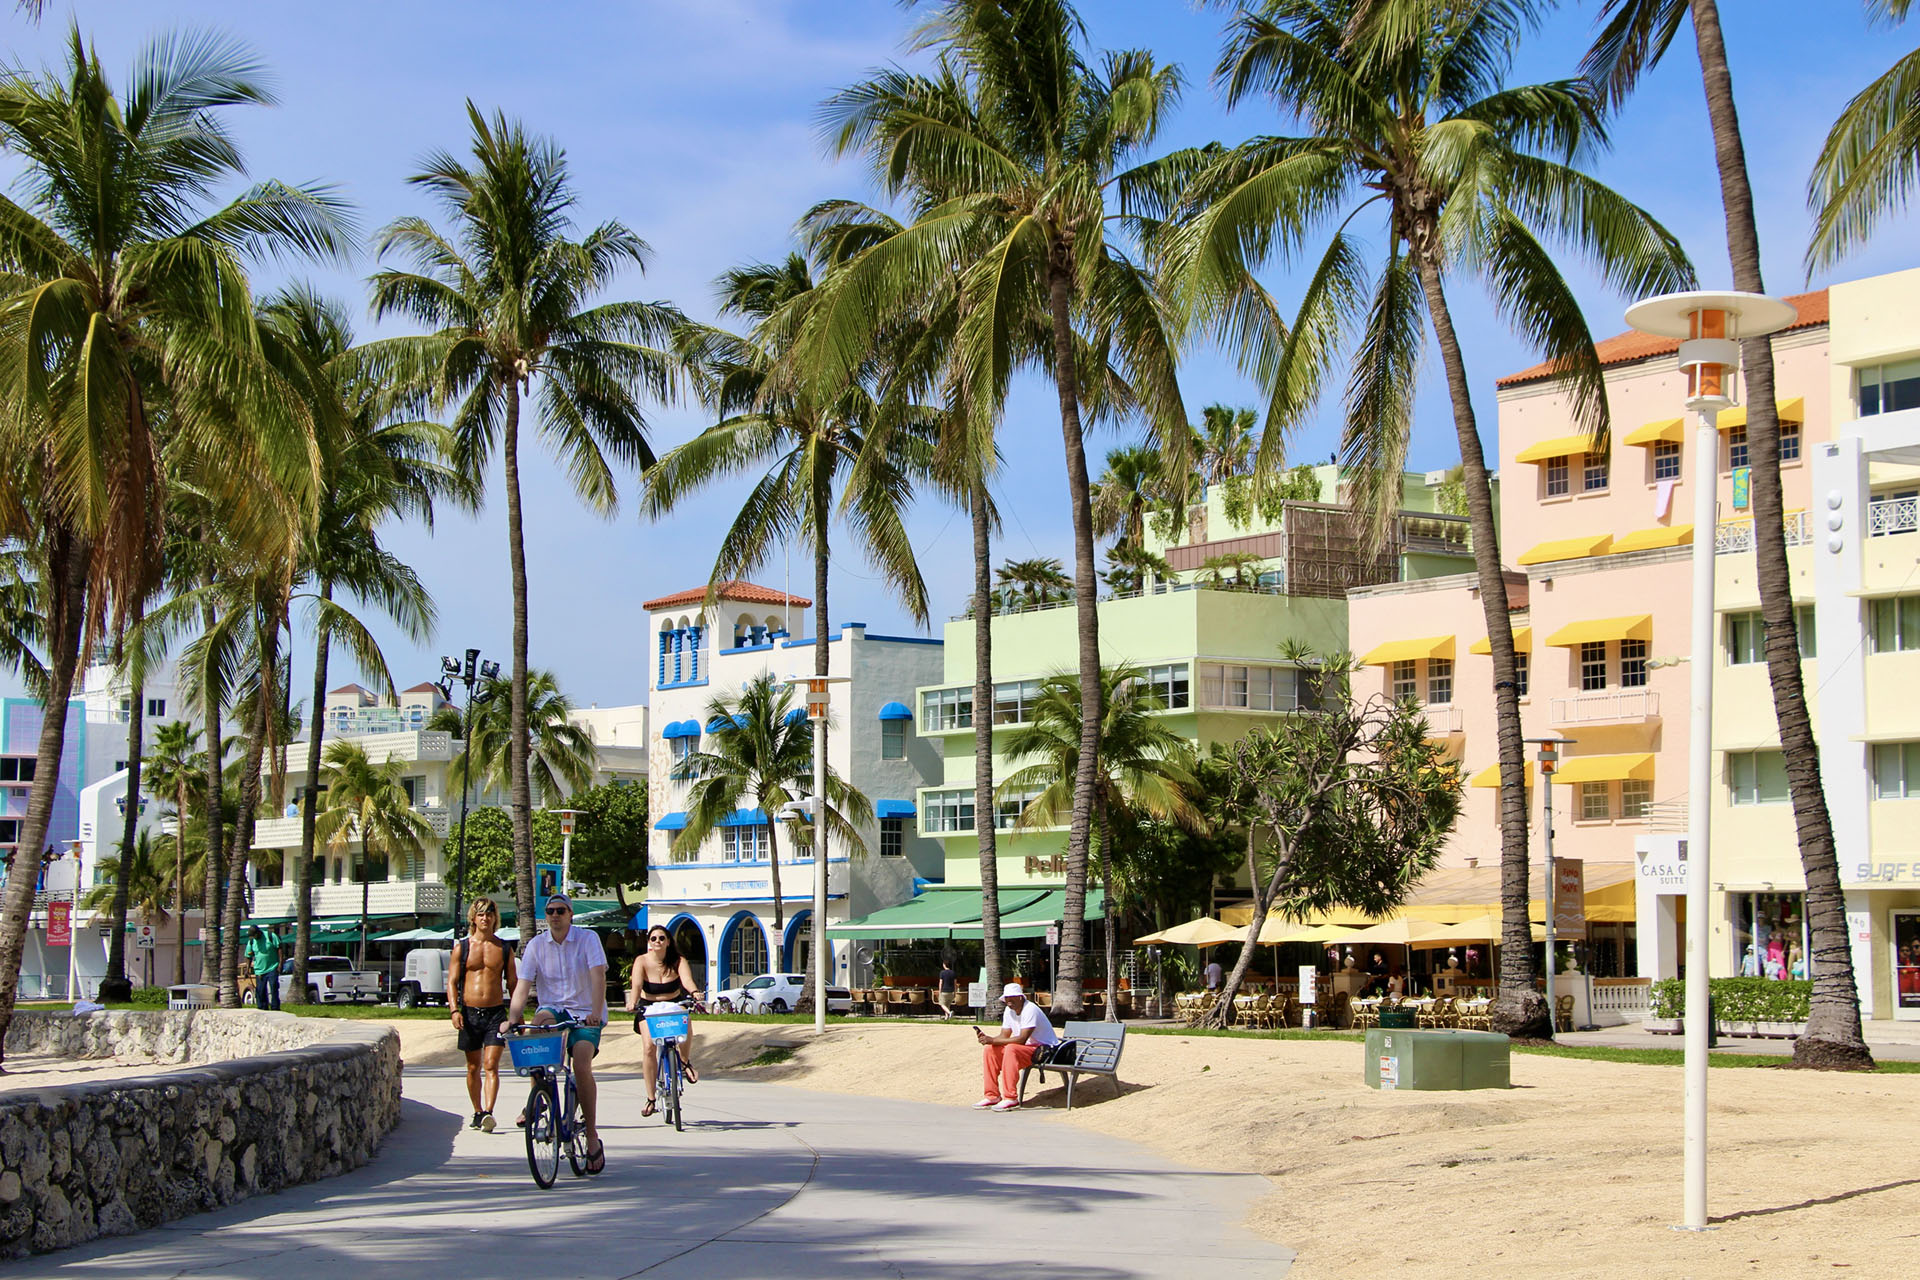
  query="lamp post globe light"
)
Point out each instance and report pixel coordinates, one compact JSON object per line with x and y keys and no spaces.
{"x":468,"y":672}
{"x":1710,"y":326}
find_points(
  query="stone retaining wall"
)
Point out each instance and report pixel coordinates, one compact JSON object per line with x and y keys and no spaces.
{"x":269,"y":1101}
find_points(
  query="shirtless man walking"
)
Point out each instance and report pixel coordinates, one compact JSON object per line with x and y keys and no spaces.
{"x":478,"y":980}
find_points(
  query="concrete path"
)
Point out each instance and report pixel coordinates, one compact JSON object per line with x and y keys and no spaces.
{"x":1890,"y":1041}
{"x":766,"y":1181}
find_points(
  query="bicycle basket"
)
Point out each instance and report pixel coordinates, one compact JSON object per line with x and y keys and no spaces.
{"x":669,"y":1026}
{"x":536,"y":1050}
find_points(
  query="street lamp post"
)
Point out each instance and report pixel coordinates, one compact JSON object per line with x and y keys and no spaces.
{"x":468,"y":673}
{"x":1710,"y":327}
{"x":1549,"y":758}
{"x":567,"y":818}
{"x":818,"y":704}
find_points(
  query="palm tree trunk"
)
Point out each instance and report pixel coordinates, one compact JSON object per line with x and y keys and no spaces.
{"x":1107,"y":915}
{"x":520,"y":782}
{"x":180,"y":886}
{"x":269,"y":632}
{"x":210,"y":900}
{"x":983,"y":738}
{"x":310,"y":807}
{"x":1833,"y":1037}
{"x":67,"y":563}
{"x":1520,"y":1010}
{"x":115,"y":985}
{"x":1066,"y":980}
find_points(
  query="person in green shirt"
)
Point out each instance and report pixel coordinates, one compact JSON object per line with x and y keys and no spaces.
{"x":263,"y":953}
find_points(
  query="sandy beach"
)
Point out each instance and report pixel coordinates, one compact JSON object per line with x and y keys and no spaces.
{"x":1573,"y":1172}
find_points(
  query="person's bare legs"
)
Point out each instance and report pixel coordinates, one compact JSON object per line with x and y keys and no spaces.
{"x":490,"y":1066}
{"x":649,"y":1062}
{"x":587,"y":1089}
{"x":473,"y":1077}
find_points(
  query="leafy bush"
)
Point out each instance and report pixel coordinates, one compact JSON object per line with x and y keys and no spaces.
{"x":1739,"y":999}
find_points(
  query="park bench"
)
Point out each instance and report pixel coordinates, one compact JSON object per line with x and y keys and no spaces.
{"x":1097,"y":1048}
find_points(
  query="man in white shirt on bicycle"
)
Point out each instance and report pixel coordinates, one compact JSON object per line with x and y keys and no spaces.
{"x":569,"y":966}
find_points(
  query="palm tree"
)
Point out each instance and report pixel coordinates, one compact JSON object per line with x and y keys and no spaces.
{"x":142,"y":889}
{"x":1036,"y":582}
{"x":761,"y":749}
{"x":1133,"y":482}
{"x":560,"y":753}
{"x":1142,"y":770}
{"x":1134,"y":568}
{"x":1636,"y":35}
{"x":1228,"y":442}
{"x":1870,"y":158}
{"x":509,"y":296}
{"x":1022,"y":153}
{"x":378,"y":463}
{"x":173,"y":767}
{"x":123,"y":290}
{"x":367,"y":803}
{"x":1231,"y":568}
{"x":1409,"y":114}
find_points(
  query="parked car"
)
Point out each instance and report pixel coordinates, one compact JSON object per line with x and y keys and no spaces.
{"x":776,"y":993}
{"x":423,"y":980}
{"x":332,"y":979}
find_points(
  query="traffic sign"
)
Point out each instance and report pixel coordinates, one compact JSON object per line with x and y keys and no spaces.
{"x":144,"y":938}
{"x":1053,"y":935}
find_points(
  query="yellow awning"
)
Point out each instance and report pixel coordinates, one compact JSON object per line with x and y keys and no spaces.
{"x":1409,"y":650}
{"x":1634,"y":626}
{"x":1794,"y":410}
{"x":1665,"y":431}
{"x":1558,"y":447}
{"x":1490,"y":776}
{"x":1567,"y":549}
{"x":1522,"y":642}
{"x":1611,"y":904}
{"x":1635,"y":765}
{"x":1674,"y":535}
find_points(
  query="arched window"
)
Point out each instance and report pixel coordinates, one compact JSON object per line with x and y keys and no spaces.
{"x":745,"y":950}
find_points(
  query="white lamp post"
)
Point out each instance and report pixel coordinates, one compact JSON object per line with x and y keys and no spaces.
{"x":1549,"y":758}
{"x":818,"y":703}
{"x":567,"y":818}
{"x":1710,"y":327}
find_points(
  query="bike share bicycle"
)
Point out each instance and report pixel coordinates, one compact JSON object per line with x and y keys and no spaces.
{"x":669,"y":1023}
{"x":554,"y":1118}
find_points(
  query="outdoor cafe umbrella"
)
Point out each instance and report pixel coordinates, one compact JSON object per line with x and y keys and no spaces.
{"x":1402,"y":932}
{"x":1203,"y":932}
{"x":1486,"y":928}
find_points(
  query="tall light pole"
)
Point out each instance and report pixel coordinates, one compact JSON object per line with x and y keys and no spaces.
{"x":818,"y":704}
{"x":1710,"y":327}
{"x":468,"y":673}
{"x":567,"y":818}
{"x":1549,"y":758}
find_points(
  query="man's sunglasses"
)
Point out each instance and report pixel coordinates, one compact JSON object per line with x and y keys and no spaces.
{"x":559,"y":911}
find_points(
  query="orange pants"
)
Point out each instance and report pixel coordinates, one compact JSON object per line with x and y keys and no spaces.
{"x":1003,"y":1064}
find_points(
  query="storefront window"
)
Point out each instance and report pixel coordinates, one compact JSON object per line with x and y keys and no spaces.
{"x":1772,"y":935}
{"x":1906,"y":960}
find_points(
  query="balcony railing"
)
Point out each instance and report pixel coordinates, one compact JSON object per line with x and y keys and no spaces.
{"x":389,"y":897}
{"x":1892,"y":515}
{"x":284,"y":833}
{"x":1730,"y":537}
{"x":1601,"y":708}
{"x":1444,"y":720}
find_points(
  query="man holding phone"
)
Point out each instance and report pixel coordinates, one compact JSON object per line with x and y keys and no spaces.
{"x":1023,"y":1029}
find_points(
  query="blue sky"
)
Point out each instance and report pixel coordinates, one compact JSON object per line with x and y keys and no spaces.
{"x":694,"y":125}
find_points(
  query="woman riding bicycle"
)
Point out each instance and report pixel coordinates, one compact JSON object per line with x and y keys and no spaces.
{"x":664,"y":977}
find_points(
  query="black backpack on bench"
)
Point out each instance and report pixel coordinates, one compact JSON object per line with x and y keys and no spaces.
{"x":1059,"y":1054}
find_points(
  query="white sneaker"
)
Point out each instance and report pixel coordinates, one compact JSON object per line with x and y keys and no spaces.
{"x":986,"y":1103}
{"x":1006,"y":1104}
{"x":486,"y":1122}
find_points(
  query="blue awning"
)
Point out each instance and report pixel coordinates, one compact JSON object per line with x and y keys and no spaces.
{"x":718,"y":725}
{"x":745,"y":818}
{"x":672,"y":822}
{"x":682,"y":729}
{"x":893,"y":808}
{"x":796,"y":715}
{"x":896,"y":711}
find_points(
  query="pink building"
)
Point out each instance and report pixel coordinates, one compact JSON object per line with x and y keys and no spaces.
{"x":1597,"y":538}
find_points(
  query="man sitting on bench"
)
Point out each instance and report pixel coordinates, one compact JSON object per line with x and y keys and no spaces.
{"x":1023,"y":1029}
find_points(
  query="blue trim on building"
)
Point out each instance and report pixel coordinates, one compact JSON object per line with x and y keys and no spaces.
{"x":675,"y":821}
{"x":685,"y":684}
{"x":726,"y":937}
{"x":705,"y":866}
{"x":893,"y":809}
{"x":747,"y":648}
{"x":800,"y":919}
{"x":905,"y":640}
{"x":755,"y":817}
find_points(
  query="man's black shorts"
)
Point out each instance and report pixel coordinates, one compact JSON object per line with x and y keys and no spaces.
{"x":481,"y":1027}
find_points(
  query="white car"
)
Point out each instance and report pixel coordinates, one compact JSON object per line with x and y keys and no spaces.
{"x":775,"y":993}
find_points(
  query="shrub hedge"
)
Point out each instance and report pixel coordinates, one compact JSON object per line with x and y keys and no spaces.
{"x":1739,"y":999}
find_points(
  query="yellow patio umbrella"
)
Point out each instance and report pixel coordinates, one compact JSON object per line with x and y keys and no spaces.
{"x":1403,"y":932}
{"x":1203,"y":932}
{"x":1275,"y":931}
{"x":1485,"y":928}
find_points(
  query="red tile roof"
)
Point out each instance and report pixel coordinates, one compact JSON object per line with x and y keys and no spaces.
{"x":1625,"y":348}
{"x":425,"y":686}
{"x":350,"y":688}
{"x":744,"y":592}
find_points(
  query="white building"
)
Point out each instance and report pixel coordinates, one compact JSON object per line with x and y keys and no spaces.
{"x":718,"y":899}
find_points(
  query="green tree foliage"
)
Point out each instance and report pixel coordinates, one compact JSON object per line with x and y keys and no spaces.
{"x":610,"y":839}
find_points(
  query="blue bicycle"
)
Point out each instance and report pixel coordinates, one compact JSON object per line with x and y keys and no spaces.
{"x":669,"y":1027}
{"x":554,"y":1119}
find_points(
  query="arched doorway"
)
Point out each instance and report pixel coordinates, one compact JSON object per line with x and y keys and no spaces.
{"x":798,"y":942}
{"x":743,"y":950}
{"x":690,"y":940}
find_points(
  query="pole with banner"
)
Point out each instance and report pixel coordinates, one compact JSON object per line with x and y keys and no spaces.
{"x":567,"y":818}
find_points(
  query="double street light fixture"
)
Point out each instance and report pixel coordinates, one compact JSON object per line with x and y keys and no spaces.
{"x":469,"y":672}
{"x":1710,"y":327}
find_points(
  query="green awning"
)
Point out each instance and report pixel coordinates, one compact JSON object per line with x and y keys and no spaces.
{"x":1032,"y":920}
{"x":937,"y":913}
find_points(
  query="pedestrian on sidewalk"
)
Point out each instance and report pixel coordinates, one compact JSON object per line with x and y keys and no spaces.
{"x":479,"y":977}
{"x":263,"y":957}
{"x":944,"y":990}
{"x":1023,"y":1030}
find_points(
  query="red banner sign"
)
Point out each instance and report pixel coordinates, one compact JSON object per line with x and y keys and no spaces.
{"x":59,"y":924}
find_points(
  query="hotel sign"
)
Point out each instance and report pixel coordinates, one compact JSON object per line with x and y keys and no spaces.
{"x":1886,"y":872}
{"x":1054,"y":866}
{"x":1570,"y":898}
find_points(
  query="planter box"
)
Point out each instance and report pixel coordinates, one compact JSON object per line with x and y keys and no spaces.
{"x":1781,"y":1030}
{"x":1661,"y":1026}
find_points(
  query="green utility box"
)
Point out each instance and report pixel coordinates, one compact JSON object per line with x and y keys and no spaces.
{"x":1398,"y":1059}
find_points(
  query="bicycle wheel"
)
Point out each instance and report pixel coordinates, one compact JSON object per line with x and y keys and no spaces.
{"x":543,"y":1133}
{"x":576,"y":1133}
{"x":670,"y":1077}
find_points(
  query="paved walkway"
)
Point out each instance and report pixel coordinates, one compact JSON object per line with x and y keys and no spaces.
{"x":766,"y":1181}
{"x":1890,"y":1041}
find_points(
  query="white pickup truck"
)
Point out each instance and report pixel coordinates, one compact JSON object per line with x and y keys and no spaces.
{"x":331,"y":980}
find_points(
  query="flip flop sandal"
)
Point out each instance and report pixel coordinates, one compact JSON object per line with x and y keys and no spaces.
{"x":651,"y":1107}
{"x":597,"y":1160}
{"x":693,"y":1077}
